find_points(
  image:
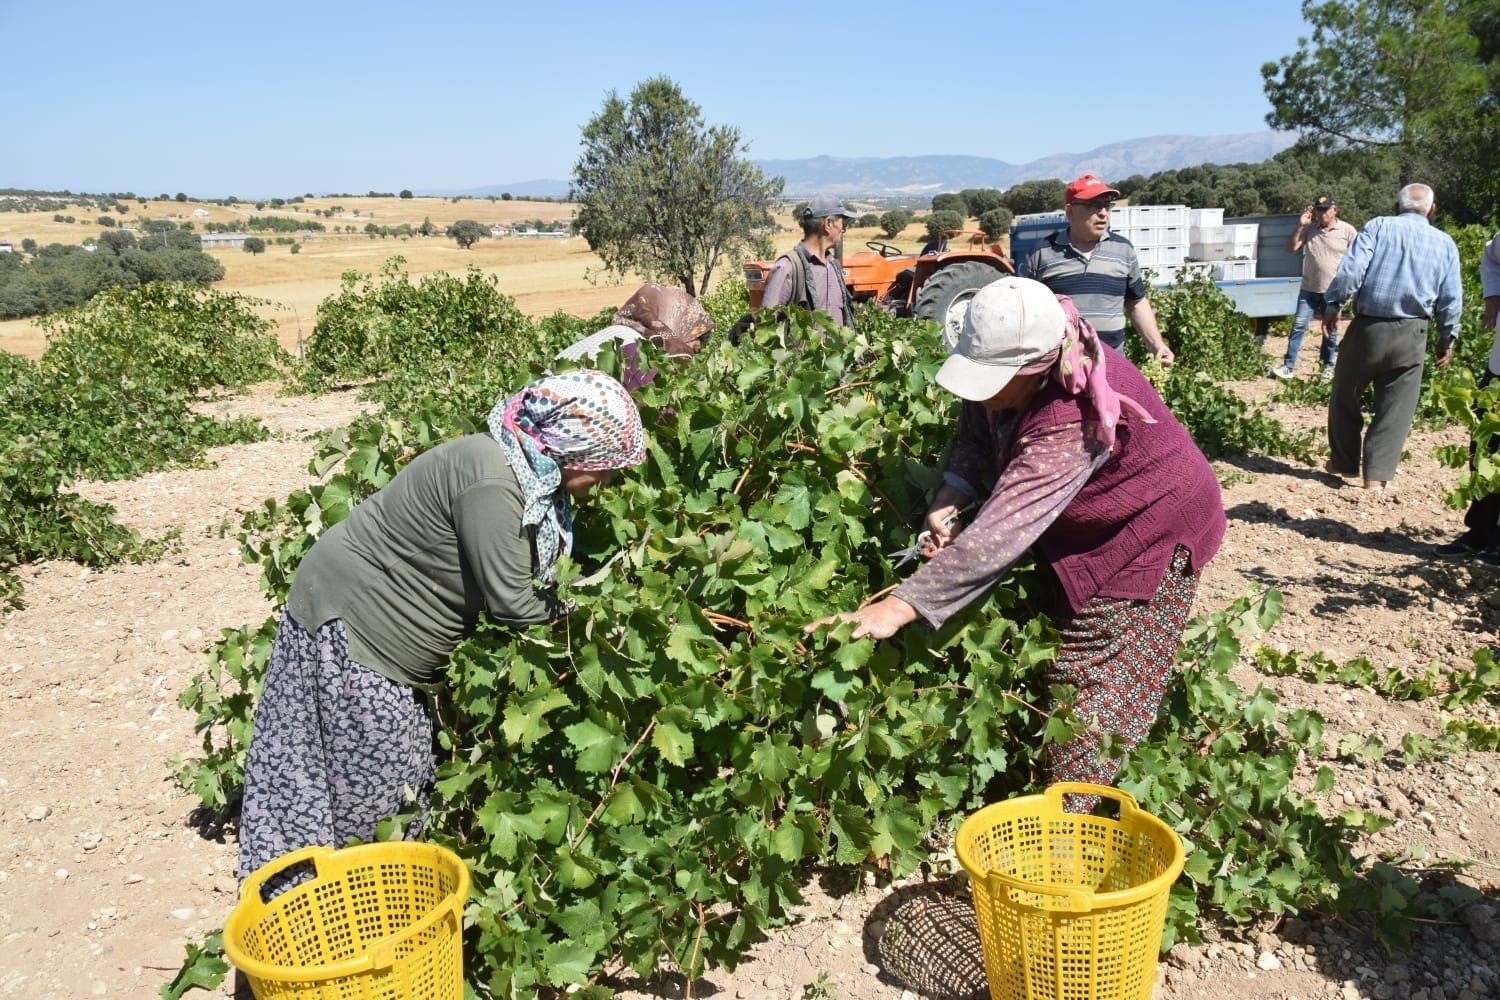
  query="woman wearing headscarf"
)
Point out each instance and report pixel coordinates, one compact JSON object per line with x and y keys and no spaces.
{"x":1092,"y":469}
{"x":343,"y":733}
{"x":670,"y":318}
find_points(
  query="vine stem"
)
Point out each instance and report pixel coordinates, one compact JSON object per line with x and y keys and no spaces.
{"x":614,"y":779}
{"x":719,"y":619}
{"x":743,"y":476}
{"x":693,"y":958}
{"x":878,"y":595}
{"x":850,"y":385}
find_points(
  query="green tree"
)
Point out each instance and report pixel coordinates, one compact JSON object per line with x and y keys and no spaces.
{"x":106,"y":221}
{"x":467,"y":232}
{"x":117,"y":241}
{"x":505,"y":196}
{"x":1028,"y":197}
{"x":996,"y":222}
{"x":663,"y":195}
{"x":255,"y":245}
{"x":892,"y":222}
{"x":867,"y":221}
{"x":938,"y":222}
{"x":181,"y":196}
{"x":405,"y":193}
{"x":982,"y":200}
{"x":1418,"y":77}
{"x":950,"y":203}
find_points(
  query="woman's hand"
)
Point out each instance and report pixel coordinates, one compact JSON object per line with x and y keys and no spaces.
{"x":880,"y":620}
{"x":942,"y":518}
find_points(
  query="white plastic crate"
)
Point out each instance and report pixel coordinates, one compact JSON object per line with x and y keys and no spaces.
{"x":1158,"y":215}
{"x":1156,"y":236}
{"x":1121,"y":216}
{"x":1221,"y":250}
{"x":1241,"y":233}
{"x":1233,"y":270}
{"x":1205,"y":217}
{"x":1155,"y":256}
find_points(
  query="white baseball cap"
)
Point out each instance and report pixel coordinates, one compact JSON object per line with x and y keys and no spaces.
{"x":1011,"y":324}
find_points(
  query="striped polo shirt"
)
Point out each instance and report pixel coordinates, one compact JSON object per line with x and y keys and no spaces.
{"x":1099,"y":284}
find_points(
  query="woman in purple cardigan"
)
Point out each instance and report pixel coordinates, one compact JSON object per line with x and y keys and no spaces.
{"x":1093,"y":470}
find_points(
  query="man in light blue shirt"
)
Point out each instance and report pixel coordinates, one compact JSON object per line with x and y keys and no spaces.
{"x":1400,"y":272}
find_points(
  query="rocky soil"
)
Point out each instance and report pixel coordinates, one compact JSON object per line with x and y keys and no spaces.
{"x":105,"y":873}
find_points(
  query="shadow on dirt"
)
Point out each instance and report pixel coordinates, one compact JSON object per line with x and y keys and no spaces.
{"x":923,"y":938}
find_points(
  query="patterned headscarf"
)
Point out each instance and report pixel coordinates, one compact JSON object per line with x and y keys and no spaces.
{"x":670,"y":317}
{"x":579,"y":420}
{"x":1077,"y":364}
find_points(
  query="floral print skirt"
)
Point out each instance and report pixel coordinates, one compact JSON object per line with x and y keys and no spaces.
{"x":1118,"y":653}
{"x":336,"y":747}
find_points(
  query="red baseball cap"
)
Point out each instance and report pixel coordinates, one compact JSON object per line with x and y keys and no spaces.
{"x":1087,"y":188}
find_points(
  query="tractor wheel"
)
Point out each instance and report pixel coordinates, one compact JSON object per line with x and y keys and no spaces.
{"x":944,"y":297}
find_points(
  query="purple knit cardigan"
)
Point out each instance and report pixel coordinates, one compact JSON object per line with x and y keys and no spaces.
{"x":1155,"y":492}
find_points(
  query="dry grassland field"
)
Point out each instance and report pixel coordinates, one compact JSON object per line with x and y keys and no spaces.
{"x":542,"y":275}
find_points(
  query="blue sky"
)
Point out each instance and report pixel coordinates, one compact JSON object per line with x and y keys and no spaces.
{"x":278,"y":98}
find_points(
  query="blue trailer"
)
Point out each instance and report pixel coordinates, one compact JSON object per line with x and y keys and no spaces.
{"x":1271,"y":294}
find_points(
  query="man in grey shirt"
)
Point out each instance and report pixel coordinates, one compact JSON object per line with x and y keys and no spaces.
{"x":1098,"y":269}
{"x":809,"y":275}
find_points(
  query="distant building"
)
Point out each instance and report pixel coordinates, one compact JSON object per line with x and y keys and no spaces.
{"x":210,"y":240}
{"x":201,"y":212}
{"x":5,"y":247}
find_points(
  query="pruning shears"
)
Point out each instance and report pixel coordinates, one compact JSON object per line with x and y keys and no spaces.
{"x":926,"y":543}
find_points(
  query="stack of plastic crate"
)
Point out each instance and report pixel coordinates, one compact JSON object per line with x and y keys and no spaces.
{"x":1159,"y":234}
{"x":1229,"y":249}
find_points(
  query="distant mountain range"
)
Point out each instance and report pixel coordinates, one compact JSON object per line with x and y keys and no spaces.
{"x":917,"y":176}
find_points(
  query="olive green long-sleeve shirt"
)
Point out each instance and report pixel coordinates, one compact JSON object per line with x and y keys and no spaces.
{"x":410,"y":569}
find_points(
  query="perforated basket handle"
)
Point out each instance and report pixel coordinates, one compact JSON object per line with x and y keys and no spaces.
{"x":1078,"y":899}
{"x":251,"y":889}
{"x":1126,"y":801}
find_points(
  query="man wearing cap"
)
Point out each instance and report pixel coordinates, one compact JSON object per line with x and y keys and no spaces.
{"x":1098,"y":269}
{"x":810,"y":275}
{"x":1402,"y":272}
{"x":1097,"y":476}
{"x":1323,"y":239}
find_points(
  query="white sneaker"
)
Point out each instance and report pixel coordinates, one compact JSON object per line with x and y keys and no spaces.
{"x":1282,"y":372}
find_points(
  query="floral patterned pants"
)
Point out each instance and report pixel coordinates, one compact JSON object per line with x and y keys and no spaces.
{"x":335,"y":748}
{"x":1118,"y":653}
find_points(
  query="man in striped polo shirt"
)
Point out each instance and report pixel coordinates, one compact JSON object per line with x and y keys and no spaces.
{"x":1099,"y":270}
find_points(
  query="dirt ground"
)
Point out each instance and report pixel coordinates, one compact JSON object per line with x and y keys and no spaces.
{"x":104,"y":876}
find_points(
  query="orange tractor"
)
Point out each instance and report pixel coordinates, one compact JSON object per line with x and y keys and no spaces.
{"x":935,"y":284}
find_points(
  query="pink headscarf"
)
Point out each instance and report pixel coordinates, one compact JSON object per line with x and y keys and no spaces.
{"x":1077,"y":364}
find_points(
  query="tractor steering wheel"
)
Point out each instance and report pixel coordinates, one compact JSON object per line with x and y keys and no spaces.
{"x":884,"y":249}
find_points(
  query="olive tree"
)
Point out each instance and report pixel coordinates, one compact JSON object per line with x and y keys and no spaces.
{"x":664,"y":196}
{"x":892,"y":222}
{"x":255,"y":245}
{"x":467,"y":232}
{"x":941,"y":221}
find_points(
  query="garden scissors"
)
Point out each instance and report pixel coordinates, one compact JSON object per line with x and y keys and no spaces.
{"x":926,"y":542}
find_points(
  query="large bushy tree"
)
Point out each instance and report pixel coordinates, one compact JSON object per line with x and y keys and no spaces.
{"x":665,"y":196}
{"x":1419,"y":78}
{"x":467,"y":232}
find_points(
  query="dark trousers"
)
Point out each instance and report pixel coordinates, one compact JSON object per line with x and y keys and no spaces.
{"x":1388,"y":354}
{"x":1483,"y":516}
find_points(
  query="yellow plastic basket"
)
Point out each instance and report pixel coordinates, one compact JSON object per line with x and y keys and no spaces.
{"x":1070,"y":906}
{"x":377,"y":922}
